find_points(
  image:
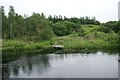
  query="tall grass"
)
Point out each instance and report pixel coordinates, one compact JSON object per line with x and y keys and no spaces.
{"x":81,"y":43}
{"x":15,"y":45}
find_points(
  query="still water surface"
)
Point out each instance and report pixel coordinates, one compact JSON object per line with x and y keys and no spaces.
{"x":78,"y":65}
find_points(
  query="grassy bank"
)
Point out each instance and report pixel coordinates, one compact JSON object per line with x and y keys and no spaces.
{"x":15,"y":45}
{"x":72,"y":44}
{"x":69,"y":42}
{"x":13,"y":49}
{"x":90,"y":37}
{"x":81,"y":43}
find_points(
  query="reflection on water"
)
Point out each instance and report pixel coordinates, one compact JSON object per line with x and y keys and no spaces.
{"x":79,"y":65}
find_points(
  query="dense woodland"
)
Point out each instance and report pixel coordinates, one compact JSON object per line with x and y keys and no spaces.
{"x":17,"y":26}
{"x":38,"y":28}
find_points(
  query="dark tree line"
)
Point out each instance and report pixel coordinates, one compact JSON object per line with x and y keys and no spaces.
{"x":81,"y":20}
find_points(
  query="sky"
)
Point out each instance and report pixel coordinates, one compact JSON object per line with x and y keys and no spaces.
{"x":103,"y":10}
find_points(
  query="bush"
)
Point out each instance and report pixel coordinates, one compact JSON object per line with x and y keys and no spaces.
{"x":59,"y":29}
{"x":64,"y":28}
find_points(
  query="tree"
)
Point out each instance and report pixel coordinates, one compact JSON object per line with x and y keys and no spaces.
{"x":5,"y":25}
{"x":50,"y":18}
{"x":39,"y":28}
{"x":19,"y":26}
{"x":64,"y":28}
{"x":11,"y":21}
{"x":1,"y":22}
{"x":70,"y":27}
{"x":114,"y":25}
{"x":42,"y":14}
{"x":59,"y":29}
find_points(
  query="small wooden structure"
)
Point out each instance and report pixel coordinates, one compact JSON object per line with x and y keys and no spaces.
{"x":59,"y":47}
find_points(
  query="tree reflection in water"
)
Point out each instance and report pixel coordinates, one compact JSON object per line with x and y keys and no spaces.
{"x":25,"y":64}
{"x":52,"y":65}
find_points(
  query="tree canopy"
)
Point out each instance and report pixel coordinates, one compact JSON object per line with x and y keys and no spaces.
{"x":39,"y":28}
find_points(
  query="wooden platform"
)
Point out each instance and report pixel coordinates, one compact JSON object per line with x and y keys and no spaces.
{"x":58,"y":46}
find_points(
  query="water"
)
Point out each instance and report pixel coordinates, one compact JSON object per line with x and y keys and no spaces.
{"x":77,"y":65}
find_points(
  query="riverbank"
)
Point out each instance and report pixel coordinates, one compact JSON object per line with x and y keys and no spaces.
{"x":13,"y":49}
{"x":10,"y":56}
{"x":69,"y":42}
{"x":90,"y":37}
{"x":20,"y":45}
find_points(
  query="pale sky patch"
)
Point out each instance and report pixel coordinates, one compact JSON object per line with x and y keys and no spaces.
{"x":103,"y":10}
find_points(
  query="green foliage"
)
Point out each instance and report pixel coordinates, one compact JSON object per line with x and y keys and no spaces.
{"x":59,"y":29}
{"x":33,"y":28}
{"x":15,"y":45}
{"x":81,"y":20}
{"x":104,"y":29}
{"x":36,"y":32}
{"x":39,"y":28}
{"x":114,"y":25}
{"x":70,"y":26}
{"x":86,"y":29}
{"x":80,"y":43}
{"x":64,"y":28}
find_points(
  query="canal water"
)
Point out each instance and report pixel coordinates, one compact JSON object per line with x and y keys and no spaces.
{"x":77,"y":65}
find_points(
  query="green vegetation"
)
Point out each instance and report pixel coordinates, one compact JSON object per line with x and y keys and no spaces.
{"x":15,"y":45}
{"x":36,"y":32}
{"x":91,"y":38}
